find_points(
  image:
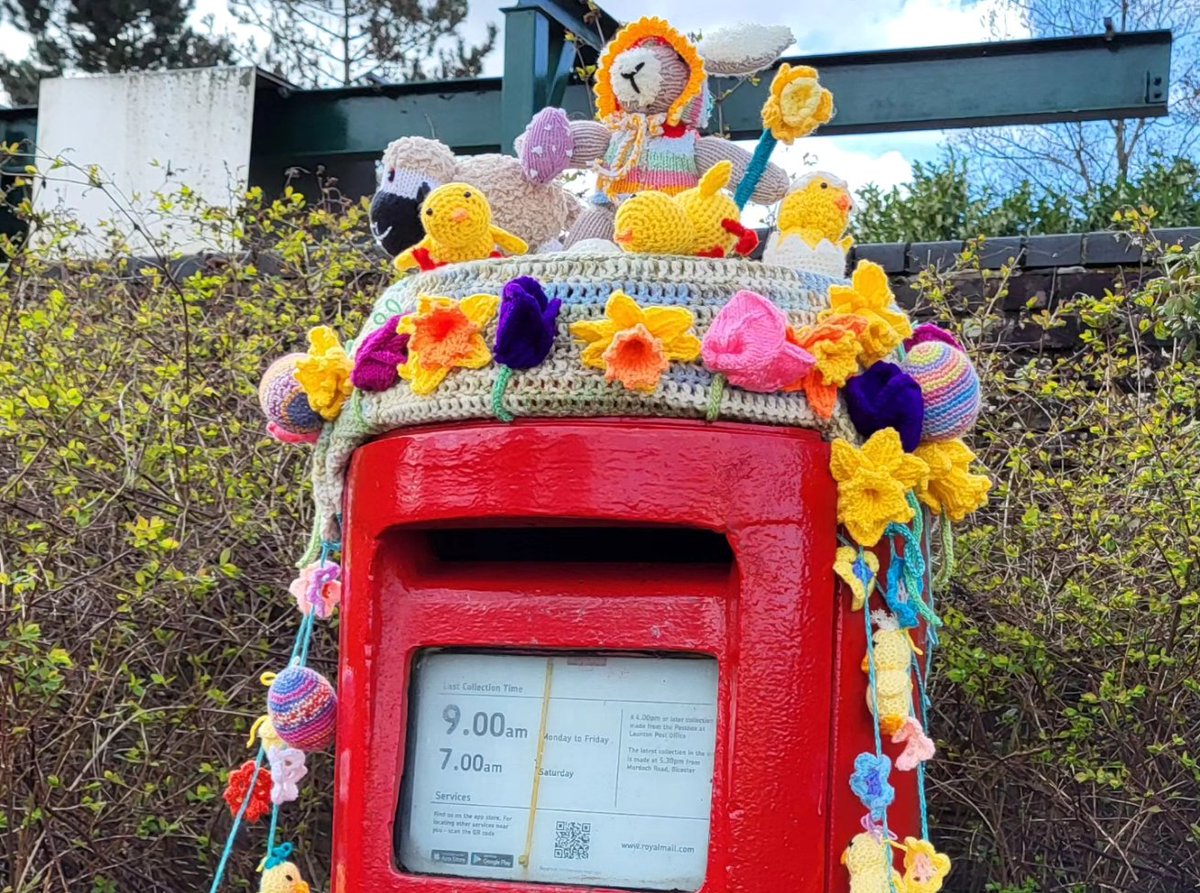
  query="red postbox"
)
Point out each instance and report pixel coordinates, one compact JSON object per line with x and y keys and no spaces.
{"x":602,"y":654}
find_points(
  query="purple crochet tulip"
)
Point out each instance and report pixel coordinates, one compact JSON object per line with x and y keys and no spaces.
{"x":886,"y":397}
{"x":927,"y":331}
{"x":377,"y":358}
{"x":527,"y":325}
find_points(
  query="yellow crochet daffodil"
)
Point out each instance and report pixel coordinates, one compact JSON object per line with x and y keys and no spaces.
{"x":873,"y":483}
{"x":870,"y":297}
{"x":634,"y":345}
{"x":798,"y":104}
{"x":858,"y":573}
{"x":445,"y":334}
{"x":951,"y":489}
{"x":324,"y":374}
{"x":924,"y":867}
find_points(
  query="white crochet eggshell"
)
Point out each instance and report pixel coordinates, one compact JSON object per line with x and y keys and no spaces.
{"x":793,"y":252}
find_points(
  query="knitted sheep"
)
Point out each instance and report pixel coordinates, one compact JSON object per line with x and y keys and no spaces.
{"x":413,"y":166}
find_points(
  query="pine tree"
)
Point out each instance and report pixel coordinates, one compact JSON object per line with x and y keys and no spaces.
{"x":321,"y":43}
{"x":104,"y":36}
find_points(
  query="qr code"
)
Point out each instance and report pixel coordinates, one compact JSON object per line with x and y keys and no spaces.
{"x":572,"y":840}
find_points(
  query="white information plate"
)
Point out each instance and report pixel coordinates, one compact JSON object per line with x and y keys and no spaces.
{"x":618,"y":794}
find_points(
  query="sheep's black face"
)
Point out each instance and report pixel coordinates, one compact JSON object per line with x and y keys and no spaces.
{"x":396,"y":218}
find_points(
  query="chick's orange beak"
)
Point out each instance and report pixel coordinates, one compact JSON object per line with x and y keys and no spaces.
{"x":300,"y":887}
{"x":843,"y":202}
{"x":845,"y":856}
{"x":459,"y":215}
{"x":625,"y":235}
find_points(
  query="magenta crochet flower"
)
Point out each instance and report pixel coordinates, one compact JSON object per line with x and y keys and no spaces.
{"x":318,"y":589}
{"x":378,"y":358}
{"x":748,"y":344}
{"x":927,"y":331}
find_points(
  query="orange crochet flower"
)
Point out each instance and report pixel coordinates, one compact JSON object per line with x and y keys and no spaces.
{"x":635,"y":345}
{"x":835,"y":344}
{"x":636,"y":359}
{"x":445,"y":334}
{"x":870,"y":297}
{"x":238,"y":789}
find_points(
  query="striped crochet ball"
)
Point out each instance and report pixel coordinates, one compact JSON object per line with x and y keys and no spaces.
{"x":303,"y":708}
{"x":949,"y":387}
{"x":290,"y":418}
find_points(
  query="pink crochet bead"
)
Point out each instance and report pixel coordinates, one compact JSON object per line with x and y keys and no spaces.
{"x":748,"y":344}
{"x":547,"y":147}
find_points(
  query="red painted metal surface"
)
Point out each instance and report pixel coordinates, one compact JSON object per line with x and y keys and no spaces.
{"x":791,"y":713}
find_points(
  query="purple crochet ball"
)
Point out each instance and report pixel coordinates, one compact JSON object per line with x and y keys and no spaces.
{"x":303,"y":708}
{"x":886,"y":397}
{"x":926,"y":332}
{"x":290,"y":418}
{"x":527,"y":325}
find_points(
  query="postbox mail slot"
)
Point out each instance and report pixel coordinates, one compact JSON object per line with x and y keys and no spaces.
{"x":583,"y":768}
{"x":579,"y":542}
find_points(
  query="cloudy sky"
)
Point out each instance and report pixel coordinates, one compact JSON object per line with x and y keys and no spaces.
{"x":820,"y":26}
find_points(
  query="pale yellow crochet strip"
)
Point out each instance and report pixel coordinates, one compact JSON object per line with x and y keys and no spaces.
{"x":562,"y":387}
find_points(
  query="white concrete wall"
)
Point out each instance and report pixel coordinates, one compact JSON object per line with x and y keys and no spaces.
{"x":146,"y":132}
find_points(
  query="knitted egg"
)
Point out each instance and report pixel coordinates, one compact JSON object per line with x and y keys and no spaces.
{"x":290,"y":419}
{"x":949,"y":388}
{"x":303,"y":708}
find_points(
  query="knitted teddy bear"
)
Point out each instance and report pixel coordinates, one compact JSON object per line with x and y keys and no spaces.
{"x":413,"y":166}
{"x":652,"y":99}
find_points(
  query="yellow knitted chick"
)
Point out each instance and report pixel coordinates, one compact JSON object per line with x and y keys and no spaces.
{"x":653,"y":223}
{"x":282,"y":878}
{"x":893,"y":673}
{"x":818,"y":207}
{"x":869,"y":860}
{"x":717,"y":229}
{"x":458,"y":227}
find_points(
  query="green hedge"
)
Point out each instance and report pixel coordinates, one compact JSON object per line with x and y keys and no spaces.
{"x":148,"y":526}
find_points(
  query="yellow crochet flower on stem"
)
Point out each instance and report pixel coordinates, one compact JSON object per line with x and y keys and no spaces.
{"x":633,"y":344}
{"x":798,"y":104}
{"x":857,"y":573}
{"x":870,"y":297}
{"x":951,"y":489}
{"x":445,"y":334}
{"x":324,"y":374}
{"x":924,"y":867}
{"x":873,"y":484}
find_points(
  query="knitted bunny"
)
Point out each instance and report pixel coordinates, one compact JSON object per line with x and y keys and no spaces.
{"x":652,"y":99}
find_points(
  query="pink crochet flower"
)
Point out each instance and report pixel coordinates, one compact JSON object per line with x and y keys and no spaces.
{"x":918,"y":747}
{"x":748,"y":344}
{"x":318,"y":589}
{"x":287,"y":771}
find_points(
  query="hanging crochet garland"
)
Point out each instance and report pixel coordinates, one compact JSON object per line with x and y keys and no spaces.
{"x":300,"y":718}
{"x":909,"y":466}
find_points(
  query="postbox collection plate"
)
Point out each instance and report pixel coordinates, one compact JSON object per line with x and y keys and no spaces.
{"x":579,"y":768}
